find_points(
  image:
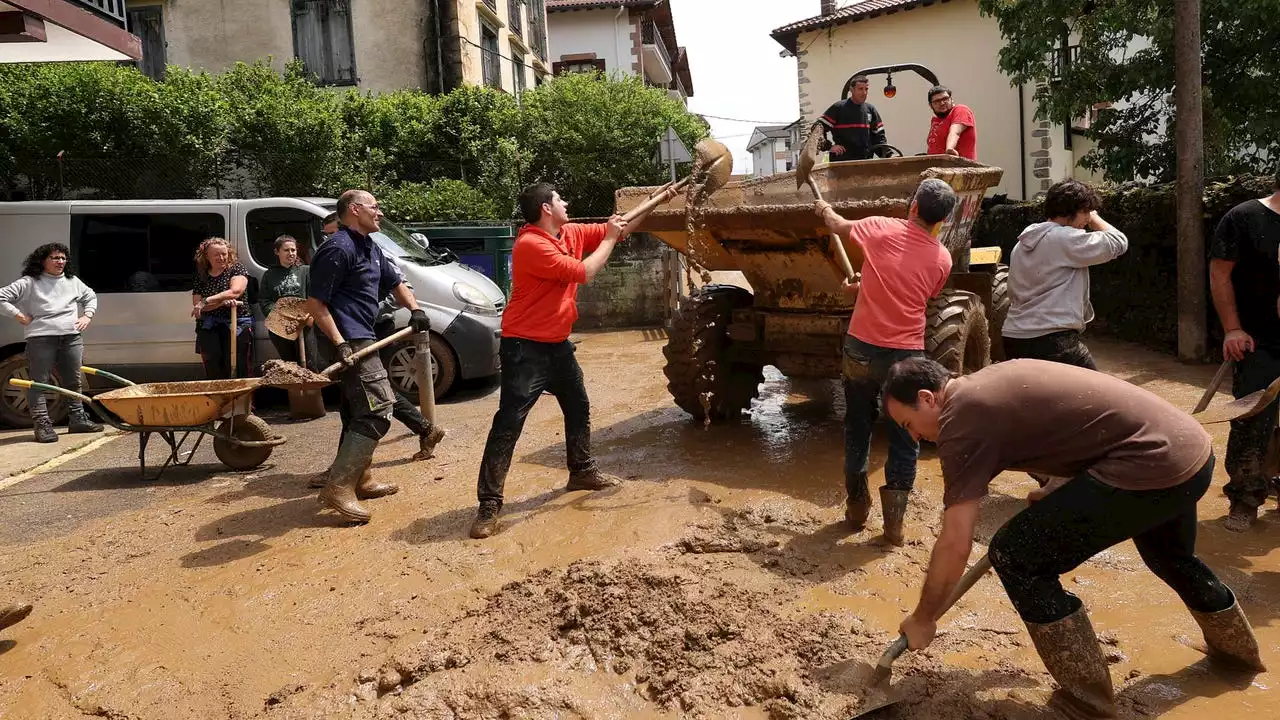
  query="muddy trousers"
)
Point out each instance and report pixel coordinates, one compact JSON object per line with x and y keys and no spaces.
{"x":46,"y":353}
{"x":1064,"y":346}
{"x":1086,"y":516}
{"x":365,"y":403}
{"x":865,"y":367}
{"x":1249,"y":438}
{"x":529,"y":368}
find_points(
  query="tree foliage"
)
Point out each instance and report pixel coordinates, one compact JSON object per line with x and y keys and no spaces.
{"x":1125,"y":57}
{"x":257,"y":131}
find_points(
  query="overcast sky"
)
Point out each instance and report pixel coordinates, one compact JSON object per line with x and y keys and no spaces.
{"x":735,"y":66}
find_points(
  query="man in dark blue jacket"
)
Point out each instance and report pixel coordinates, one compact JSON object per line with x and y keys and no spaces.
{"x":855,"y":125}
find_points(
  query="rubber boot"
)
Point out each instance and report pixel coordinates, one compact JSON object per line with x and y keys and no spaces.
{"x":858,"y":505}
{"x":355,"y":454}
{"x":44,"y":431}
{"x":79,"y":422}
{"x":427,"y":443}
{"x":893,"y":505}
{"x":1229,"y":638}
{"x":369,"y":488}
{"x":11,"y":615}
{"x":1070,"y":651}
{"x":486,"y":522}
{"x":591,"y":480}
{"x":319,"y":480}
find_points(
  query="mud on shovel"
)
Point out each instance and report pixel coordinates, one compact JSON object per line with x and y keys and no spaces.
{"x":712,"y":167}
{"x":879,"y":693}
{"x":804,"y":167}
{"x":307,"y":380}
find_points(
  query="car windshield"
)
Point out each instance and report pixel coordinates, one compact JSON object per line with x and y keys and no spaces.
{"x":394,"y":241}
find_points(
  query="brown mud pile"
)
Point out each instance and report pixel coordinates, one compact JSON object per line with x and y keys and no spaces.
{"x":282,"y":372}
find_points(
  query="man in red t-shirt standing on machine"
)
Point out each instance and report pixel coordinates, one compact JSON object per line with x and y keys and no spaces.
{"x":551,"y":257}
{"x":952,"y":130}
{"x":903,"y":266}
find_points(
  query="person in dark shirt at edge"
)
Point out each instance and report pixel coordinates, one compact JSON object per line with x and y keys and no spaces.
{"x":855,"y":125}
{"x":1244,"y":279}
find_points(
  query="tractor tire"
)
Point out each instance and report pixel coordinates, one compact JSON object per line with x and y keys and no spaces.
{"x":699,"y":381}
{"x":956,"y":332}
{"x":999,"y":310}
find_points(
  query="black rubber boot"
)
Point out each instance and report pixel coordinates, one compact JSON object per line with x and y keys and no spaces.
{"x":1070,"y":651}
{"x":355,"y":454}
{"x":44,"y":431}
{"x":857,"y":506}
{"x":1230,"y":639}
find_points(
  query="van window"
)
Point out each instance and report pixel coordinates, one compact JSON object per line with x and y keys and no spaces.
{"x":141,"y":252}
{"x":264,"y":225}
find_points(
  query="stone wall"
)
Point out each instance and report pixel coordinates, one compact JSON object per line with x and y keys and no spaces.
{"x":630,"y":291}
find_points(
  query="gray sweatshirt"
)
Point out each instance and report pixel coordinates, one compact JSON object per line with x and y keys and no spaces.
{"x":1049,"y":277}
{"x":52,"y":302}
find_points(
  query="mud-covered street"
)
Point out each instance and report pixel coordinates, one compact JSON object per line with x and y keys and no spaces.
{"x":717,"y":583}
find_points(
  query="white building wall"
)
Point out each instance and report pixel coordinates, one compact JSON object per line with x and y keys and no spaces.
{"x":603,"y":32}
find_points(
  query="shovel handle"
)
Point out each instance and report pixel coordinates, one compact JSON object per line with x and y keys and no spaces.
{"x":836,"y":241}
{"x":971,"y":576}
{"x":664,"y":194}
{"x":1216,"y":383}
{"x":357,"y":355}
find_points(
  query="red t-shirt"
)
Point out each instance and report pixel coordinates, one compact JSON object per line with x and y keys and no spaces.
{"x":940,"y":128}
{"x":903,"y":266}
{"x":545,"y":274}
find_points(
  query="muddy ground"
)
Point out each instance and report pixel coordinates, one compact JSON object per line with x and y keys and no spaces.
{"x":717,"y":583}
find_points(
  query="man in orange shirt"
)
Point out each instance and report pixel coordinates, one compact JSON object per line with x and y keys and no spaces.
{"x":551,"y":257}
{"x":903,"y":266}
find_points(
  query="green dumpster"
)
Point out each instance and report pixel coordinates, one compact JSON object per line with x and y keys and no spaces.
{"x":483,"y":246}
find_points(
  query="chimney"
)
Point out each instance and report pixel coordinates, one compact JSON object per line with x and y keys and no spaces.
{"x":828,"y":7}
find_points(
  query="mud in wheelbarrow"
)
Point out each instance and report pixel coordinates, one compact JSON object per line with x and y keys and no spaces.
{"x":177,"y":410}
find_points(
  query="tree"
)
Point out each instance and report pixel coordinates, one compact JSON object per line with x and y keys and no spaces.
{"x":1126,"y":56}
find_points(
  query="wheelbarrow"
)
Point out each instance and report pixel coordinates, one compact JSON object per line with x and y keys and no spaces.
{"x":177,"y":410}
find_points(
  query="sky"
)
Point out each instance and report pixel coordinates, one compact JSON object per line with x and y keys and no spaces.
{"x":736,"y":70}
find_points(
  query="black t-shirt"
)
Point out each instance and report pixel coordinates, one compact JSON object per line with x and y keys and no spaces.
{"x":1249,"y":236}
{"x":210,"y":285}
{"x":856,"y":127}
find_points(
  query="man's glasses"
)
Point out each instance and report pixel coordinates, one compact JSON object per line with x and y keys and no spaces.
{"x":374,"y":207}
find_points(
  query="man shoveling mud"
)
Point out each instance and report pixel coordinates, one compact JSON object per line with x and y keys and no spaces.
{"x":1137,"y":465}
{"x":903,"y":266}
{"x":551,"y":257}
{"x":349,"y":278}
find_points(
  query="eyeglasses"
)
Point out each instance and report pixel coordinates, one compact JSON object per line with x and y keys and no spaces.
{"x":374,"y":207}
{"x":939,"y":99}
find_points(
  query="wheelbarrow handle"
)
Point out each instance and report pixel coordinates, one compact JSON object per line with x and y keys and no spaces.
{"x":104,"y":374}
{"x":364,"y":352}
{"x":50,"y":388}
{"x":970,"y":577}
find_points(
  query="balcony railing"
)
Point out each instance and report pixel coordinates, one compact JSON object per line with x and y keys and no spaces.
{"x":515,"y":22}
{"x":649,"y":35}
{"x":113,"y":9}
{"x":1062,"y":59}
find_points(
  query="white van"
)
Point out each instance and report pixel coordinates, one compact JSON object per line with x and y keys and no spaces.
{"x":139,"y":256}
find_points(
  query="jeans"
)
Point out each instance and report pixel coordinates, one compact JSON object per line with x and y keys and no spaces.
{"x":528,"y":368}
{"x":1064,"y":346}
{"x":365,"y":404}
{"x":1247,"y":443}
{"x":1086,"y":516}
{"x":865,"y":367}
{"x":44,"y":354}
{"x":215,"y":351}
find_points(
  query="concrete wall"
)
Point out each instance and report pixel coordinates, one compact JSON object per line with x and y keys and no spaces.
{"x":630,"y":291}
{"x":594,"y":31}
{"x":951,"y":39}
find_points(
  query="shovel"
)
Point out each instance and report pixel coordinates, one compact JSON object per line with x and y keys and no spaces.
{"x":878,"y":695}
{"x":305,"y":404}
{"x":712,"y":166}
{"x":1245,"y":407}
{"x":804,"y":167}
{"x":339,"y":366}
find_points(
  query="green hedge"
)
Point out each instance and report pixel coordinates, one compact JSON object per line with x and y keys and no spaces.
{"x":1135,"y":296}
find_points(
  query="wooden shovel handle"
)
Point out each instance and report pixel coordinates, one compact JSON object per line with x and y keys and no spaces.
{"x":967,"y":581}
{"x":363,"y":352}
{"x":664,"y":194}
{"x":836,"y":240}
{"x":1223,"y":371}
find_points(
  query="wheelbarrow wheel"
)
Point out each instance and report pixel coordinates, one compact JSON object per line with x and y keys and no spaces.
{"x":249,"y":428}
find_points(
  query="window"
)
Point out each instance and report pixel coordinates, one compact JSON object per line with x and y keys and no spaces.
{"x":490,"y":61}
{"x":147,"y":23}
{"x":577,"y":66}
{"x":141,"y":252}
{"x":515,"y":21}
{"x":518,"y":70}
{"x":322,"y":39}
{"x":264,"y":225}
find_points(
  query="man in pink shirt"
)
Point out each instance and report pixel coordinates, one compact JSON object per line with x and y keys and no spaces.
{"x":903,"y":267}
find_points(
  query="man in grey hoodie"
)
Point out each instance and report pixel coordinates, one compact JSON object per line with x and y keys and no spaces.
{"x":1049,"y":276}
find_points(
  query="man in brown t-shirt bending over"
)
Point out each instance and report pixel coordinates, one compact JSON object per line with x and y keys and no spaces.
{"x":1137,"y":467}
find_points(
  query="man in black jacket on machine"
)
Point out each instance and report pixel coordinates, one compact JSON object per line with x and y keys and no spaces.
{"x":855,"y":125}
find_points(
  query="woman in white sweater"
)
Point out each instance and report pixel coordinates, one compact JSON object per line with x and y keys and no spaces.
{"x":54,"y":306}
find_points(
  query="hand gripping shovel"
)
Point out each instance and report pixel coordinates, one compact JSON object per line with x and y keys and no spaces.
{"x":294,"y":377}
{"x":879,"y":694}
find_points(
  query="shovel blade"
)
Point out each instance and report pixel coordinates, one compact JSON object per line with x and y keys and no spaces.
{"x":877,"y":699}
{"x":1245,"y":407}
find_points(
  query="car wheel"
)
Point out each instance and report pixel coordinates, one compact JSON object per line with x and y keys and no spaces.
{"x":13,"y":400}
{"x":404,"y":373}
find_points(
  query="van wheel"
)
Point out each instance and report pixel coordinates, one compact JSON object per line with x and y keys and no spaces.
{"x":403,"y":371}
{"x":13,"y":400}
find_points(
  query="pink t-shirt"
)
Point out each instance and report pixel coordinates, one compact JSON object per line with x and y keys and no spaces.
{"x":903,"y":266}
